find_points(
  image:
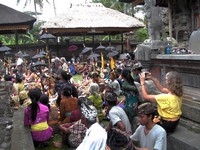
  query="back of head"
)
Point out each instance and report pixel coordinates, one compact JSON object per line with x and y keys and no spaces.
{"x":111,"y":98}
{"x":66,"y":76}
{"x":35,"y":94}
{"x":89,"y":112}
{"x":174,"y":83}
{"x":94,"y":88}
{"x":44,"y":99}
{"x":67,"y":91}
{"x":119,"y":140}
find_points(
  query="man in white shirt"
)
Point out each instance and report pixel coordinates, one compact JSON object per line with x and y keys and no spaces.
{"x":96,"y":136}
{"x":149,"y":135}
{"x":117,"y":116}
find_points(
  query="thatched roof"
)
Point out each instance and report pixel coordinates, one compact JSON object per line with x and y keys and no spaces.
{"x":12,"y":20}
{"x":92,"y":18}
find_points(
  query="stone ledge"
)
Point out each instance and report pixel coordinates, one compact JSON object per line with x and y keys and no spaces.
{"x":176,"y":56}
{"x":183,"y":139}
{"x":21,"y":136}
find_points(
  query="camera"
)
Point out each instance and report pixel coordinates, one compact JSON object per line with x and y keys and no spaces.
{"x":145,"y":71}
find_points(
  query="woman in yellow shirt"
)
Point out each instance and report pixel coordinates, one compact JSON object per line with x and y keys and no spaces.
{"x":169,"y":102}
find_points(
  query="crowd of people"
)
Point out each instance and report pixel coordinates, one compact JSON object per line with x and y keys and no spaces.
{"x":99,"y":111}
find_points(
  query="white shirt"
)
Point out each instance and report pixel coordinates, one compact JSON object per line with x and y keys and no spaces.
{"x":95,"y":138}
{"x":117,"y":114}
{"x":155,"y":139}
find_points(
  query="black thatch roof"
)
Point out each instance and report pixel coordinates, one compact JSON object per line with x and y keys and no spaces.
{"x":12,"y":20}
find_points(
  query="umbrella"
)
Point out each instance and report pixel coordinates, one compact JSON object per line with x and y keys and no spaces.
{"x":38,"y":56}
{"x":8,"y":53}
{"x":47,"y":36}
{"x":72,"y":48}
{"x":19,"y":54}
{"x":25,"y":55}
{"x":39,"y":63}
{"x":92,"y":56}
{"x":86,"y":49}
{"x":4,"y":48}
{"x":100,"y":47}
{"x":110,"y":48}
{"x":43,"y":53}
{"x":112,"y":54}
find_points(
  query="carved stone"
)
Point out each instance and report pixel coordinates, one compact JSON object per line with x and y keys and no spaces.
{"x":6,"y":114}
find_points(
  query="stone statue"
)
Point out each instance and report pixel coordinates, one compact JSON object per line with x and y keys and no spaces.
{"x":155,"y":24}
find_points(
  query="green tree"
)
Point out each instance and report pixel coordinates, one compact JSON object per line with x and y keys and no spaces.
{"x":35,"y":2}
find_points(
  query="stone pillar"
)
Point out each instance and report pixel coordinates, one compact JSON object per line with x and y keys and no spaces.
{"x":6,"y":115}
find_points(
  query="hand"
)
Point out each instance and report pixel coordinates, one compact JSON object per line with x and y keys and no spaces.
{"x":142,"y":77}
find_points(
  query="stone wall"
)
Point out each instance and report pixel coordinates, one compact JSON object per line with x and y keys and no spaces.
{"x":6,"y":114}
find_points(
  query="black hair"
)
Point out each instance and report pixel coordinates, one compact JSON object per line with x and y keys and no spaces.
{"x":8,"y":77}
{"x":44,"y":99}
{"x":19,"y":79}
{"x":95,"y":75}
{"x":34,"y":95}
{"x":67,"y":91}
{"x":126,"y":74}
{"x":65,"y":75}
{"x":84,"y":99}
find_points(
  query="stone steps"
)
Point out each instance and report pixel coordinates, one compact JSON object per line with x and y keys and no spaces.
{"x":183,"y":139}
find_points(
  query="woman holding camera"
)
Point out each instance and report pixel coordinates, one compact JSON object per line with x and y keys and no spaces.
{"x":169,"y":102}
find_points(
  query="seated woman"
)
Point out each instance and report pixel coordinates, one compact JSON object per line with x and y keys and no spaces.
{"x":53,"y":115}
{"x":73,"y":133}
{"x":169,"y":102}
{"x":67,"y":105}
{"x":36,"y":115}
{"x":95,"y":97}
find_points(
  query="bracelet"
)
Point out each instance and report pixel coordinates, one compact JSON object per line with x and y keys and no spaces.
{"x":142,"y":84}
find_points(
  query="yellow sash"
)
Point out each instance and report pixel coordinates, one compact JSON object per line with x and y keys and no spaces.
{"x":40,"y":126}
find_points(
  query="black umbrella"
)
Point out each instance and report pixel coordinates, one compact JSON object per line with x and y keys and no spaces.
{"x":100,"y":47}
{"x":25,"y":55}
{"x":8,"y":53}
{"x":4,"y":48}
{"x":19,"y":54}
{"x":86,"y":49}
{"x":112,"y":54}
{"x":92,"y":56}
{"x":47,"y":36}
{"x":39,"y":63}
{"x":38,"y":56}
{"x":110,"y":48}
{"x":43,"y":53}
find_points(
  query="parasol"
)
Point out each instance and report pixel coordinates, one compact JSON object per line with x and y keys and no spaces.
{"x":8,"y":53}
{"x":4,"y":48}
{"x":110,"y":48}
{"x":47,"y":36}
{"x":25,"y":55}
{"x":38,"y":56}
{"x":39,"y":63}
{"x":19,"y":54}
{"x":86,"y":49}
{"x":112,"y":54}
{"x":92,"y":56}
{"x":72,"y":48}
{"x":43,"y":53}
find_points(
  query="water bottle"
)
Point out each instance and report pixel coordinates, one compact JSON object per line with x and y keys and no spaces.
{"x":168,"y":48}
